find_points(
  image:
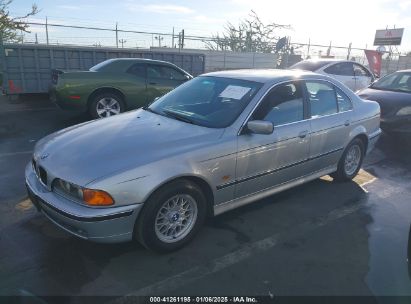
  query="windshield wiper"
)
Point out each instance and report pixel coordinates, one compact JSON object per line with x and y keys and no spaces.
{"x":178,"y":116}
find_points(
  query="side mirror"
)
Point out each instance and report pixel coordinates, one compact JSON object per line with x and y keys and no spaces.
{"x":260,"y":126}
{"x":187,"y":77}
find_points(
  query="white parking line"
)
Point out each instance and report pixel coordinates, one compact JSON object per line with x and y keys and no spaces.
{"x":247,"y":250}
{"x":15,"y":153}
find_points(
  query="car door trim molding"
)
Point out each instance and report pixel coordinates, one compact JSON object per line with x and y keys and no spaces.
{"x":244,"y":200}
{"x":244,"y":179}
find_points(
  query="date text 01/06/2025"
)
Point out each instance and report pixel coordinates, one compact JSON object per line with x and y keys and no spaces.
{"x":234,"y":299}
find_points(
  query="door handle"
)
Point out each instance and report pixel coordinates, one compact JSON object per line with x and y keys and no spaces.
{"x":347,"y":123}
{"x":303,"y":134}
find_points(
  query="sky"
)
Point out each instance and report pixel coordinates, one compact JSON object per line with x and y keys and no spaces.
{"x":321,"y":21}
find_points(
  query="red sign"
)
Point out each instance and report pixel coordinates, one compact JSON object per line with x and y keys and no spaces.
{"x":374,"y":61}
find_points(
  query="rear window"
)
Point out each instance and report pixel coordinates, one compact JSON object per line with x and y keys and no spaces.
{"x":100,"y":66}
{"x":309,"y":65}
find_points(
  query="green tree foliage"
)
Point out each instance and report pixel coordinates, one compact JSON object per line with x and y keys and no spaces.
{"x":10,"y":26}
{"x":251,"y":35}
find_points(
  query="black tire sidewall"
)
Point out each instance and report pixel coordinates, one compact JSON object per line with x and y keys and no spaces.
{"x":341,"y":174}
{"x":144,"y":229}
{"x":97,"y":98}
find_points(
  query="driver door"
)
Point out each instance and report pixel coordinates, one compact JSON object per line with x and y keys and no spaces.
{"x":265,"y":161}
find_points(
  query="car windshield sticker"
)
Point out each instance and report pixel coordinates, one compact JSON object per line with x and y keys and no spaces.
{"x":234,"y":92}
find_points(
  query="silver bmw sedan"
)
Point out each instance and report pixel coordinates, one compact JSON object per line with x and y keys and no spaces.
{"x":217,"y":142}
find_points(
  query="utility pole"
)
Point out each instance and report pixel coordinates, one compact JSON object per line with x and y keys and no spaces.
{"x":116,"y":34}
{"x":308,"y":48}
{"x":172,"y":39}
{"x":122,"y":41}
{"x":47,"y":32}
{"x":37,"y":40}
{"x":349,"y":51}
{"x":182,"y":39}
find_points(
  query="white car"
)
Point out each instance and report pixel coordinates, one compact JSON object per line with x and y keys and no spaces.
{"x":352,"y":74}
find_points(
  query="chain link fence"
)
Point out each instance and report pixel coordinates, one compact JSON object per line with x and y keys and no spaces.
{"x":52,"y":33}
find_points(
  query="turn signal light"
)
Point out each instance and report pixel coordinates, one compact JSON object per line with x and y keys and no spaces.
{"x":97,"y":198}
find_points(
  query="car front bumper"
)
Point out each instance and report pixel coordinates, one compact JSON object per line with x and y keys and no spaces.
{"x":103,"y":225}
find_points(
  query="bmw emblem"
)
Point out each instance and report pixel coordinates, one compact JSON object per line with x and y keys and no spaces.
{"x":44,"y":156}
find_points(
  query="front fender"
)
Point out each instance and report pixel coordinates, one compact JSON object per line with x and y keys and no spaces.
{"x":136,"y":186}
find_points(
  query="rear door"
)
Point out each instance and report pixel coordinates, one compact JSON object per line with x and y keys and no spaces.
{"x":343,"y":72}
{"x":331,"y":113}
{"x":161,"y":79}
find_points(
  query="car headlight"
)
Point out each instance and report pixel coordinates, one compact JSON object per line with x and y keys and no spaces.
{"x":91,"y":197}
{"x":404,"y":111}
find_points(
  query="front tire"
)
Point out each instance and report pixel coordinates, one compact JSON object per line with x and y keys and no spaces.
{"x":350,"y":162}
{"x":171,"y":217}
{"x":106,"y":105}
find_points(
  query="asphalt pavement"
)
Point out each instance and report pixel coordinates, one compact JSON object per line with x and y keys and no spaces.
{"x":322,"y":238}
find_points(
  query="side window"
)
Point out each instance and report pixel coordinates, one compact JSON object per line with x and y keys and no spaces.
{"x":154,"y":71}
{"x":404,"y":80}
{"x":171,"y":73}
{"x":360,"y":71}
{"x":164,"y":72}
{"x":138,"y":70}
{"x":342,"y":69}
{"x":322,"y":98}
{"x":344,"y":102}
{"x":284,"y":104}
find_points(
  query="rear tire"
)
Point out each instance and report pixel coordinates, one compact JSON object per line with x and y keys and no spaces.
{"x":350,"y":162}
{"x":106,"y":104}
{"x":171,"y":217}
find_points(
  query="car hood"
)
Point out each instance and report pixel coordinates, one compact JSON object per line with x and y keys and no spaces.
{"x":92,"y":150}
{"x":390,"y":101}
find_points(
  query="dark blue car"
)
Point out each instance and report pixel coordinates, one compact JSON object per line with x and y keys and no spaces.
{"x":393,"y":93}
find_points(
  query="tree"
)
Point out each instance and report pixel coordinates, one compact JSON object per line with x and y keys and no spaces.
{"x":10,"y":26}
{"x":251,"y":35}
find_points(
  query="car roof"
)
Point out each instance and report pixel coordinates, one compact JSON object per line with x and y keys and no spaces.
{"x":140,"y":60}
{"x":262,"y":75}
{"x":327,"y":60}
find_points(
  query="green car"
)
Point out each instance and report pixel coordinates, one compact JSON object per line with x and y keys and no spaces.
{"x":115,"y":85}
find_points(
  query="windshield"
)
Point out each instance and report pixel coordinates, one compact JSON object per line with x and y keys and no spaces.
{"x":213,"y":102}
{"x":398,"y":81}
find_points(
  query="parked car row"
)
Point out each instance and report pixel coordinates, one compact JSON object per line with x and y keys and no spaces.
{"x":117,"y":85}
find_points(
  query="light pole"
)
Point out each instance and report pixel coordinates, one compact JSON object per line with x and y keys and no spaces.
{"x":159,"y":38}
{"x":122,"y":41}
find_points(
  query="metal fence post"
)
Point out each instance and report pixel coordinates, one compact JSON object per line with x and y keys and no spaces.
{"x":3,"y":67}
